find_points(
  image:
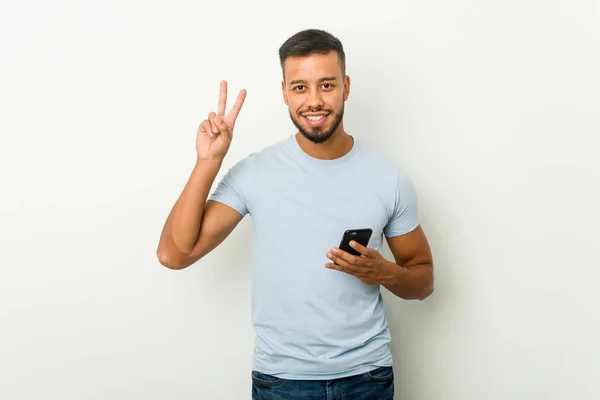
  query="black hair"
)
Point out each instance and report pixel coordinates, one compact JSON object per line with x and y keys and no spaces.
{"x":312,"y":41}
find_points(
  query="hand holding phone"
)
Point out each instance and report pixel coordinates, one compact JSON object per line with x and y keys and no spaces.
{"x":361,"y":236}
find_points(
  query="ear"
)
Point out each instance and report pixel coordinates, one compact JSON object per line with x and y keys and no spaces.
{"x":346,"y":87}
{"x":285,"y":97}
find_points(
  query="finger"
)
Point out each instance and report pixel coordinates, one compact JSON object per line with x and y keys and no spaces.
{"x":237,"y":106}
{"x":223,"y":128}
{"x":352,"y":259}
{"x":222,"y":98}
{"x":359,"y":262}
{"x":365,"y":251}
{"x":348,"y":261}
{"x":205,"y":127}
{"x":212,"y":117}
{"x":338,"y":260}
{"x":349,"y":269}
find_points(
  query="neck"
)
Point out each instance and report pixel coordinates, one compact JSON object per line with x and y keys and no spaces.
{"x":338,"y":145}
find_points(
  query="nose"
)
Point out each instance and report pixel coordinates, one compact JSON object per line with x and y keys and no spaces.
{"x":314,"y":99}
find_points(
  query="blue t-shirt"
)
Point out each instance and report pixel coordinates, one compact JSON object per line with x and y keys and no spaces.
{"x":312,"y":322}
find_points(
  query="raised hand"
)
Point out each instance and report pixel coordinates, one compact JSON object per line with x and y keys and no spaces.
{"x":215,"y":133}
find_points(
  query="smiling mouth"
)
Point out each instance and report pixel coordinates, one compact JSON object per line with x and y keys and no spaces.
{"x":315,"y":120}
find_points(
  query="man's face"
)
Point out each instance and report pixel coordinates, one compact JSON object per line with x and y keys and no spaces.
{"x":315,"y":90}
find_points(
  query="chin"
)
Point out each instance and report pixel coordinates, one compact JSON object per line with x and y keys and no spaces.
{"x":322,"y":133}
{"x":316,"y":137}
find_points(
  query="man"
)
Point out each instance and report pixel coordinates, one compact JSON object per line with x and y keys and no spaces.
{"x":321,"y":331}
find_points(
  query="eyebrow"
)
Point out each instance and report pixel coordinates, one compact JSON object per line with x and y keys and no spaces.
{"x":328,"y":78}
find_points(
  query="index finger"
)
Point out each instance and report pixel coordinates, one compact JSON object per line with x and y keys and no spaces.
{"x":235,"y":110}
{"x":222,"y":98}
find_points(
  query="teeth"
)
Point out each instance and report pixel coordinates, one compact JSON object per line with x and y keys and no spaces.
{"x":316,"y":118}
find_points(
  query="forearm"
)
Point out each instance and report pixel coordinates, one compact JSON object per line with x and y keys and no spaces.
{"x":183,"y":224}
{"x":413,"y":282}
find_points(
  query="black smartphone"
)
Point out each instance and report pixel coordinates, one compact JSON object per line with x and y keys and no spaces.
{"x":361,"y":236}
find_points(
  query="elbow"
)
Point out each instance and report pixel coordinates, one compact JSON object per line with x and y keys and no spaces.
{"x":168,"y":260}
{"x":422,"y":287}
{"x":427,"y":290}
{"x":428,"y":284}
{"x":426,"y":293}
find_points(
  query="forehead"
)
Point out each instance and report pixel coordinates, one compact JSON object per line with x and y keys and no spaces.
{"x":313,"y":67}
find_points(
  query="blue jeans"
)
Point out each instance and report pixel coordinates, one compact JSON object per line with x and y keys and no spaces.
{"x":377,"y":384}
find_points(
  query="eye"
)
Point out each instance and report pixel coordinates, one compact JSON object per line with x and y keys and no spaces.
{"x":327,"y":86}
{"x":299,"y":87}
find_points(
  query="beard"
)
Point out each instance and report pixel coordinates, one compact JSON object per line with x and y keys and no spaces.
{"x":317,"y":134}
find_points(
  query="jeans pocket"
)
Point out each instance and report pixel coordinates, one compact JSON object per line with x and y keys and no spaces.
{"x":261,"y":379}
{"x":381,"y":374}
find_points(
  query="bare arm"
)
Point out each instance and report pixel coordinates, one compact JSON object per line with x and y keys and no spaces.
{"x":412,"y":254}
{"x":194,"y":226}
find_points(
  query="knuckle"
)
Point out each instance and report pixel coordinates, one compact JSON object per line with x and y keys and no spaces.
{"x":205,"y":126}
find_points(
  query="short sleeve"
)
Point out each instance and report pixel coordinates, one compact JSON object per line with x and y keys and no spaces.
{"x":233,"y":189}
{"x":404,"y":218}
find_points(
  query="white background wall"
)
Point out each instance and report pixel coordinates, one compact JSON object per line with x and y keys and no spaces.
{"x":492,"y":107}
